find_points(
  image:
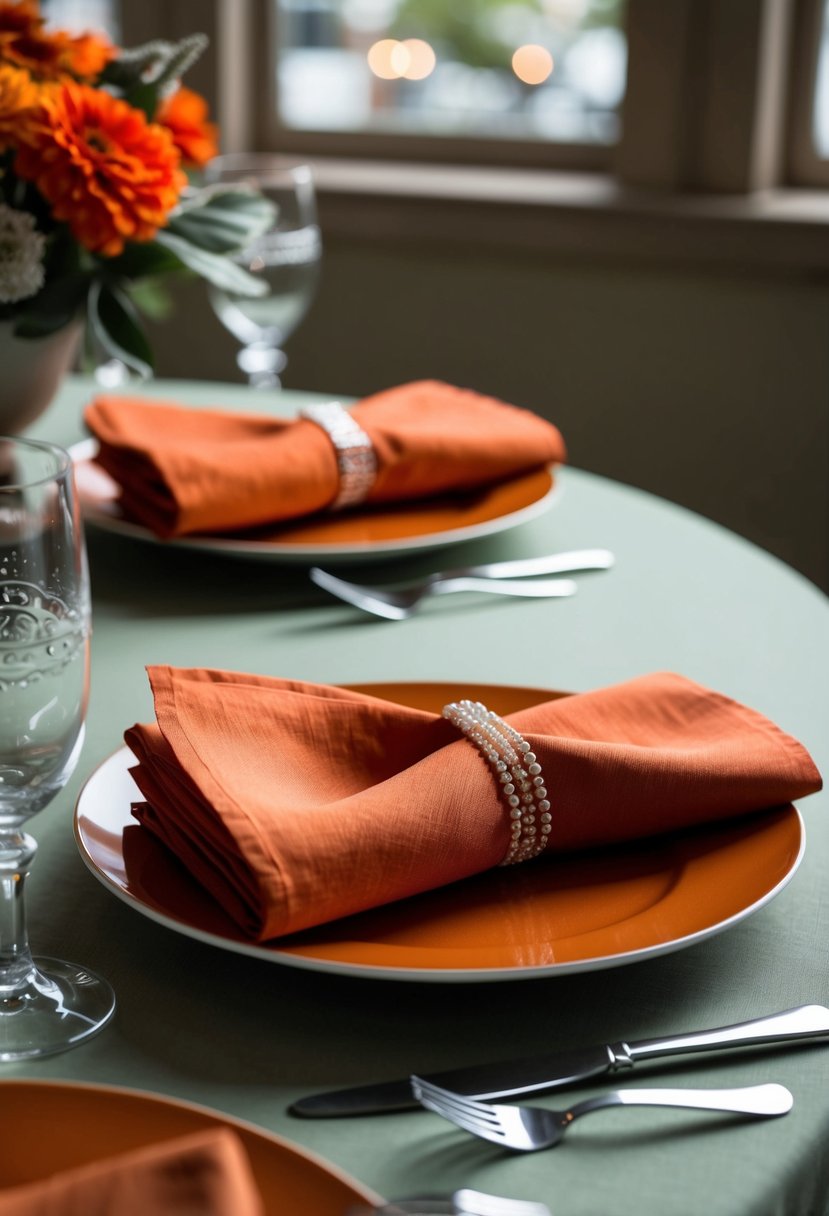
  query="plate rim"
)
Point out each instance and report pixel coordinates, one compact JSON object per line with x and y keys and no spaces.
{"x":83,"y":453}
{"x":453,"y":975}
{"x":133,"y":1093}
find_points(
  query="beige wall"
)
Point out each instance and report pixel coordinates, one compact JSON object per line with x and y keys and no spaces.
{"x":710,"y":388}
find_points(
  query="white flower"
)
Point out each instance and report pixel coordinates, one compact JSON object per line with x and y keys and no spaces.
{"x":21,"y":255}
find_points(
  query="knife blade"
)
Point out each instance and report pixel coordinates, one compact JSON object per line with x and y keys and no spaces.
{"x":538,"y":1074}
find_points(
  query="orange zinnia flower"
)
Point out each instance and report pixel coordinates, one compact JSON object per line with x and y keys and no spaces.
{"x":19,"y":18}
{"x":184,"y":114}
{"x":48,"y":54}
{"x":17,"y":95}
{"x":108,"y":174}
{"x":87,"y":55}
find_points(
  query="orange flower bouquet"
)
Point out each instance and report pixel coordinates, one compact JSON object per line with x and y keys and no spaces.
{"x":95,"y":197}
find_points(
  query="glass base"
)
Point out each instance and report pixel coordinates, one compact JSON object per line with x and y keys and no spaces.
{"x":263,"y":363}
{"x":60,"y":1006}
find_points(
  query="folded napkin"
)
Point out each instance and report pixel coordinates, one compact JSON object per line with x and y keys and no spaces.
{"x":183,"y":471}
{"x":296,"y":803}
{"x":206,"y":1173}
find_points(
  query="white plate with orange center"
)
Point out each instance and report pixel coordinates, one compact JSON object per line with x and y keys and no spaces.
{"x":359,"y":534}
{"x":581,"y":912}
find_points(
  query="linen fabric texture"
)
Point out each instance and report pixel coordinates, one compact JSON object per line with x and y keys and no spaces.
{"x":183,"y":471}
{"x":295,"y":804}
{"x":205,"y":1172}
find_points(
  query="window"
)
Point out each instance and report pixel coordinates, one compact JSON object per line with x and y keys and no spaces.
{"x":506,"y":81}
{"x":675,"y":95}
{"x":509,"y":69}
{"x":820,"y":99}
{"x":808,"y":134}
{"x":78,"y":16}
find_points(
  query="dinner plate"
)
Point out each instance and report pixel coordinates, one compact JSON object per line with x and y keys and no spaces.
{"x":52,"y":1126}
{"x":581,"y":912}
{"x":355,"y":535}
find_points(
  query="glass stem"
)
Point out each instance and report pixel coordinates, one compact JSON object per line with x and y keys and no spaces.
{"x":17,"y":851}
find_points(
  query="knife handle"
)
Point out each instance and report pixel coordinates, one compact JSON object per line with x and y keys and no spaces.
{"x":554,"y":563}
{"x":803,"y":1022}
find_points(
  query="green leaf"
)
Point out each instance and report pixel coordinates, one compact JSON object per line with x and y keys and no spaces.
{"x":223,"y":222}
{"x":143,"y":96}
{"x":181,"y":57}
{"x":142,"y":260}
{"x":156,"y":63}
{"x":152,"y":299}
{"x":58,"y":303}
{"x":114,"y":322}
{"x":218,"y":270}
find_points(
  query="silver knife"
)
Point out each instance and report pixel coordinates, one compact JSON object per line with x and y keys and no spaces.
{"x":570,"y":562}
{"x":465,"y":1202}
{"x":550,"y":563}
{"x":515,"y":1078}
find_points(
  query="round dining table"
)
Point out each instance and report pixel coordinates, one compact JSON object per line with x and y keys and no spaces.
{"x":248,"y":1035}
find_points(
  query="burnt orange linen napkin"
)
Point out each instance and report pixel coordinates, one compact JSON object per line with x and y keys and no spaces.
{"x":206,"y":1173}
{"x":183,"y":471}
{"x":296,"y":804}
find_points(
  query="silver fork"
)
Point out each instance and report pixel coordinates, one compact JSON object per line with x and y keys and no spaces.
{"x":399,"y":604}
{"x":465,"y":1202}
{"x":525,"y":1129}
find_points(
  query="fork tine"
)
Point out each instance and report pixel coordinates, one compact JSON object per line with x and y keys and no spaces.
{"x":466,"y":1113}
{"x":467,"y":1123}
{"x":452,"y":1100}
{"x":457,"y":1110}
{"x":455,"y":1116}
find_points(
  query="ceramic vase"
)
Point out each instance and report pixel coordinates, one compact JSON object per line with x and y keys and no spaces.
{"x":31,"y":371}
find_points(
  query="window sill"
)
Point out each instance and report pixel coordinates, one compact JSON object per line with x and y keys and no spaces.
{"x":584,"y":215}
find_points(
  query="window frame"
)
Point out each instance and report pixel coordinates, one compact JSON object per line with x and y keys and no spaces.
{"x":658,"y":198}
{"x":272,"y":135}
{"x":754,"y":136}
{"x":805,"y":167}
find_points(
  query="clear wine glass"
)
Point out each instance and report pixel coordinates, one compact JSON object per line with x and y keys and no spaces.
{"x":287,"y":257}
{"x":45,"y":1005}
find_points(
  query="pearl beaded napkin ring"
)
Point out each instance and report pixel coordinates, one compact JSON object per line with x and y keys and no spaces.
{"x":518,"y":772}
{"x":356,"y":458}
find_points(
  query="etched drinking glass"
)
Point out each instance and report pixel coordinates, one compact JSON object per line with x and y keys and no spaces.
{"x":287,"y":257}
{"x":46,"y":1005}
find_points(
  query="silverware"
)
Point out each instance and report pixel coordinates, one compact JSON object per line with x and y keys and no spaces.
{"x":514,"y":1078}
{"x":525,"y":1129}
{"x":398,"y":604}
{"x":465,"y":1202}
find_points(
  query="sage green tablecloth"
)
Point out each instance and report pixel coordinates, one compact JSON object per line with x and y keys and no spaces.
{"x":248,"y":1037}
